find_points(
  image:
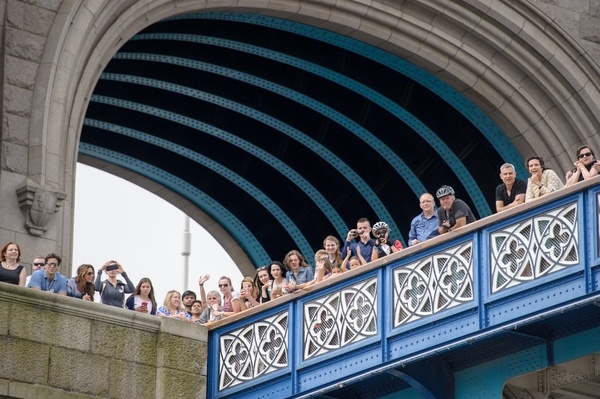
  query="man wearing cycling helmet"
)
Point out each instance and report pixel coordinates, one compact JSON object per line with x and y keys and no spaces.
{"x":452,"y":213}
{"x":383,"y":244}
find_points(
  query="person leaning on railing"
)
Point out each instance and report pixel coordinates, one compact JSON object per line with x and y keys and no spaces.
{"x":583,"y":167}
{"x":542,"y":181}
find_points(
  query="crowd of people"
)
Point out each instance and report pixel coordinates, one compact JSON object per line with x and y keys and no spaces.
{"x":363,"y":244}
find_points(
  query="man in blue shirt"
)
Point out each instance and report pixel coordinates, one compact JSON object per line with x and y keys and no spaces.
{"x":425,"y":225}
{"x":48,"y":279}
{"x":363,"y":248}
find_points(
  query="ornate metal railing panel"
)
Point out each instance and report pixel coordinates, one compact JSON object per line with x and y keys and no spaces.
{"x":254,"y":350}
{"x":432,"y":284}
{"x":534,"y":247}
{"x":340,"y":318}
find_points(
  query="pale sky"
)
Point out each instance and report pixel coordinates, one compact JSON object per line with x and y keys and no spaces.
{"x":115,"y":219}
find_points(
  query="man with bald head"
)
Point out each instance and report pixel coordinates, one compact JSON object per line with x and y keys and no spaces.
{"x":425,"y":225}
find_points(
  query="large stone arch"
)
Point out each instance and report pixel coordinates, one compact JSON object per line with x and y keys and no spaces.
{"x":511,"y":60}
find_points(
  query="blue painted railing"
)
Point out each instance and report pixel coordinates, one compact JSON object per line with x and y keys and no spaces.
{"x":494,"y":273}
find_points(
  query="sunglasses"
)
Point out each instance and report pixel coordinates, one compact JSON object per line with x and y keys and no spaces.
{"x":90,"y":273}
{"x":587,"y":154}
{"x":262,"y":268}
{"x":223,"y":285}
{"x":38,"y":264}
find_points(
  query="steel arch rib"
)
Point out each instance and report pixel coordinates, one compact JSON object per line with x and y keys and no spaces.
{"x":428,"y":135}
{"x":459,"y":102}
{"x":242,"y":183}
{"x":232,"y":224}
{"x":323,"y":152}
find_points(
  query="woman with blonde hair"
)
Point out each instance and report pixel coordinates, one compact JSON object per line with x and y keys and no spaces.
{"x":231,"y":299}
{"x":82,"y":285}
{"x":172,"y":307}
{"x":248,"y":294}
{"x":213,"y":312}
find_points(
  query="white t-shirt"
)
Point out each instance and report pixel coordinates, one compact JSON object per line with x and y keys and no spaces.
{"x":137,"y":302}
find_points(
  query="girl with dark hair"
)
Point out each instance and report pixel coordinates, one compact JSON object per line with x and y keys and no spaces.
{"x":584,"y":166}
{"x":541,"y":181}
{"x":142,"y":299}
{"x":262,"y":281}
{"x":82,"y":285}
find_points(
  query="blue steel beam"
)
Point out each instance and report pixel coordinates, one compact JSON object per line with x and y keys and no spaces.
{"x":367,"y":137}
{"x":315,"y":146}
{"x":233,"y":225}
{"x":455,"y":99}
{"x":228,"y":174}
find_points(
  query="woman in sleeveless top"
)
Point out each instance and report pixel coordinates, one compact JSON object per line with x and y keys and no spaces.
{"x":10,"y":269}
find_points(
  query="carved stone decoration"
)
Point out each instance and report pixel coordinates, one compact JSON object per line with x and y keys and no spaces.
{"x":251,"y":351}
{"x":39,"y":205}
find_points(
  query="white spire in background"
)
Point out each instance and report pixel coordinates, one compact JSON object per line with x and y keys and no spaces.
{"x":187,"y":239}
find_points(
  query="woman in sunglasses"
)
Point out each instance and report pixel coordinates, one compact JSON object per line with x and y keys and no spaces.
{"x":231,"y":299}
{"x":584,"y":166}
{"x":82,"y":285}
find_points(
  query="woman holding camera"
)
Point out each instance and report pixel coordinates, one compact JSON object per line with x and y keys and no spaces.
{"x":112,"y":291}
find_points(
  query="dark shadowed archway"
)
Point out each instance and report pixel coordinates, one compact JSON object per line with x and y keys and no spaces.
{"x":285,"y":133}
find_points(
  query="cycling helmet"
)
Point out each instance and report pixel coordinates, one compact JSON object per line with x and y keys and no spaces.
{"x":380,"y":225}
{"x":444,"y":191}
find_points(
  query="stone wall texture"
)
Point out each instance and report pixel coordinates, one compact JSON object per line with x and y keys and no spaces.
{"x":59,"y":347}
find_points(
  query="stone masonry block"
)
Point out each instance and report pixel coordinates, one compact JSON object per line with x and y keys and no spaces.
{"x":140,"y":381}
{"x":123,"y":342}
{"x":17,"y":100}
{"x":175,"y":352}
{"x":51,"y":5}
{"x":4,"y":312}
{"x":56,"y":329}
{"x":20,"y":72}
{"x":179,"y":384}
{"x":73,"y":370}
{"x":24,"y":360}
{"x":15,"y":129}
{"x":24,"y":44}
{"x":14,"y":158}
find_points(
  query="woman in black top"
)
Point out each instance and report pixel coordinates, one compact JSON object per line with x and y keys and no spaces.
{"x":10,"y":270}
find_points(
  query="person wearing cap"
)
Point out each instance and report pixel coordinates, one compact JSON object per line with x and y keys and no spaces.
{"x":425,"y":225}
{"x":383,"y":244}
{"x":512,"y":190}
{"x":188,"y":298}
{"x":452,"y":213}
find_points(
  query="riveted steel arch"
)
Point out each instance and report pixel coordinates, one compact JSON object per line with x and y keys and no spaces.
{"x":290,"y":143}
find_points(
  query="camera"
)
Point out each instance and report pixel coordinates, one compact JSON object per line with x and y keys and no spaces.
{"x":354,"y":233}
{"x":380,"y":234}
{"x":114,"y":266}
